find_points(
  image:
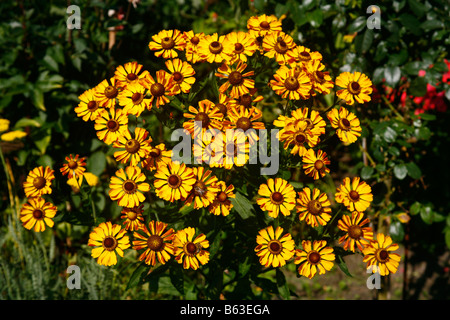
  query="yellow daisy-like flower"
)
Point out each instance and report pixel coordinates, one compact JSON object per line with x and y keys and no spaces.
{"x":203,"y":190}
{"x":276,"y":45}
{"x":13,"y":135}
{"x":263,"y":24}
{"x":174,"y":181}
{"x":157,"y":243}
{"x":110,"y":125}
{"x":209,"y":116}
{"x":355,"y":233}
{"x":247,"y":100}
{"x":290,"y":84}
{"x":108,"y":240}
{"x":357,"y":86}
{"x":189,"y":251}
{"x":236,"y":79}
{"x":313,"y":207}
{"x":245,"y":119}
{"x":321,"y":80}
{"x":298,"y":135}
{"x":215,"y":48}
{"x":276,"y":196}
{"x":157,"y":157}
{"x":129,"y":73}
{"x":134,"y":149}
{"x":274,"y":248}
{"x":89,"y":106}
{"x":378,"y":254}
{"x":222,"y":205}
{"x":314,"y":122}
{"x":128,"y":187}
{"x":223,"y":104}
{"x":236,"y":150}
{"x":302,"y":55}
{"x":244,"y":45}
{"x":315,"y":165}
{"x":74,"y":166}
{"x":37,"y":214}
{"x":38,"y":182}
{"x":315,"y":256}
{"x":347,"y":125}
{"x":133,"y":99}
{"x":133,"y":218}
{"x":182,"y":75}
{"x":160,"y":89}
{"x":106,"y":92}
{"x":356,"y":195}
{"x":166,"y":43}
{"x":192,"y":40}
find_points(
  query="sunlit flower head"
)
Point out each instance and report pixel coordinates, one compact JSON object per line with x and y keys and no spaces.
{"x":132,"y":218}
{"x":347,"y":125}
{"x":159,"y":89}
{"x":355,"y":194}
{"x":315,"y":257}
{"x":89,"y":106}
{"x":221,"y":204}
{"x":315,"y":164}
{"x":106,"y":92}
{"x":192,"y":40}
{"x":355,"y":232}
{"x":302,"y":55}
{"x":274,"y":248}
{"x":313,"y":207}
{"x":321,"y":80}
{"x":277,"y":196}
{"x":356,"y":86}
{"x":276,"y":45}
{"x":263,"y":24}
{"x":128,"y":186}
{"x":157,"y":157}
{"x":190,"y":251}
{"x":203,"y":190}
{"x":37,"y":213}
{"x":299,"y":137}
{"x":74,"y":166}
{"x":244,"y":45}
{"x":129,"y":73}
{"x":237,"y":79}
{"x":246,"y":119}
{"x":133,"y":149}
{"x":290,"y":84}
{"x":182,"y":75}
{"x":167,"y":43}
{"x":215,"y":49}
{"x":133,"y":99}
{"x":378,"y":255}
{"x":38,"y":182}
{"x":174,"y":181}
{"x":206,"y":114}
{"x":111,"y":124}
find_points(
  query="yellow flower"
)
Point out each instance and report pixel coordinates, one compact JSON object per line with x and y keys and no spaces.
{"x":321,"y":80}
{"x":37,"y":213}
{"x":4,"y":125}
{"x":215,"y":48}
{"x":166,"y":43}
{"x":355,"y":233}
{"x":290,"y":84}
{"x":263,"y":24}
{"x":157,"y":243}
{"x":38,"y":182}
{"x":236,"y":79}
{"x":106,"y":92}
{"x":203,"y":190}
{"x":130,"y":73}
{"x":128,"y":186}
{"x":108,"y":240}
{"x":357,"y":86}
{"x":132,"y":218}
{"x":245,"y":119}
{"x":355,"y":195}
{"x":273,"y":249}
{"x":182,"y":75}
{"x":189,"y":251}
{"x":174,"y":181}
{"x":133,"y":99}
{"x":247,"y":100}
{"x":276,"y":196}
{"x":74,"y":166}
{"x":192,"y":40}
{"x":13,"y":135}
{"x":313,"y":207}
{"x":315,"y":165}
{"x":134,"y":149}
{"x":244,"y":45}
{"x":298,"y":134}
{"x":160,"y":89}
{"x":315,"y":256}
{"x":314,"y":122}
{"x":378,"y":253}
{"x":347,"y":125}
{"x":276,"y":45}
{"x":209,"y":116}
{"x":157,"y":157}
{"x":110,"y":125}
{"x":222,"y":205}
{"x":89,"y":106}
{"x":302,"y":55}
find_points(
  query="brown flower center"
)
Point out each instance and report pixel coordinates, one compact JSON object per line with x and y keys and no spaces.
{"x":300,"y":138}
{"x":157,"y":89}
{"x":167,"y":43}
{"x":243,"y":123}
{"x":353,"y":195}
{"x":355,"y":232}
{"x":131,"y":76}
{"x":344,"y":124}
{"x":354,"y":88}
{"x":264,"y":25}
{"x":195,"y":40}
{"x":39,"y":182}
{"x":155,"y":153}
{"x":382,"y":255}
{"x":222,"y":108}
{"x":319,"y":76}
{"x":72,"y":164}
{"x":109,"y":243}
{"x":304,"y":56}
{"x":174,"y":181}
{"x":178,"y":77}
{"x":314,"y":257}
{"x":199,"y":188}
{"x":192,"y":248}
{"x":291,"y":83}
{"x":137,"y":98}
{"x":275,"y":246}
{"x":111,"y":92}
{"x":215,"y":47}
{"x":318,"y":165}
{"x":277,"y":197}
{"x":222,"y":196}
{"x":281,"y":46}
{"x":235,"y":78}
{"x":132,"y":214}
{"x":315,"y":207}
{"x":112,"y":125}
{"x":132,"y":146}
{"x":38,"y":214}
{"x":245,"y":100}
{"x":204,"y":118}
{"x":155,"y":243}
{"x":92,"y":105}
{"x":129,"y":186}
{"x":238,"y":48}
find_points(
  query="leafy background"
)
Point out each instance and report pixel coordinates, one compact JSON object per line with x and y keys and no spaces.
{"x":44,"y":67}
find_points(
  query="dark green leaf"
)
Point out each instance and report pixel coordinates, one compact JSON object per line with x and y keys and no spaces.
{"x":366,"y":172}
{"x":415,"y":208}
{"x":96,"y":163}
{"x":413,"y":170}
{"x":447,"y":238}
{"x":283,"y":288}
{"x":342,"y":265}
{"x":392,"y":75}
{"x":357,"y":25}
{"x":418,"y":87}
{"x":138,"y":275}
{"x":177,"y":278}
{"x":400,"y":171}
{"x":427,"y":214}
{"x":242,"y":205}
{"x":410,"y":23}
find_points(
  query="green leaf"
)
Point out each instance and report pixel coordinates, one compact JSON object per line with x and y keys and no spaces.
{"x":358,"y":24}
{"x":392,"y":75}
{"x":315,"y":18}
{"x":138,"y":275}
{"x":243,"y":206}
{"x":367,"y":40}
{"x":283,"y":288}
{"x":389,"y":135}
{"x":427,"y":214}
{"x":366,"y":172}
{"x":26,"y":122}
{"x":342,"y":265}
{"x":400,"y":171}
{"x":418,"y":87}
{"x":396,"y":231}
{"x":413,"y":170}
{"x":418,"y":8}
{"x":177,"y":278}
{"x":415,"y":208}
{"x":447,"y":238}
{"x":411,"y":23}
{"x":413,"y":67}
{"x":96,"y":163}
{"x":432,"y":24}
